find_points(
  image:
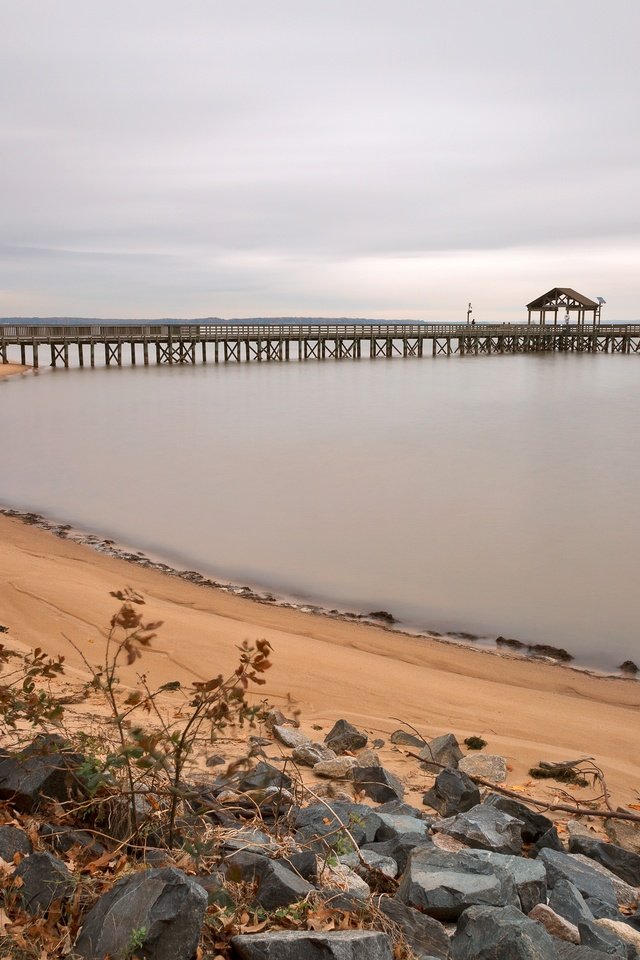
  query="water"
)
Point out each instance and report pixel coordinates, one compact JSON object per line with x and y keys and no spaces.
{"x":495,"y":495}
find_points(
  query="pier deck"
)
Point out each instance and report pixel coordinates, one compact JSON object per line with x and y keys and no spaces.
{"x":146,"y":344}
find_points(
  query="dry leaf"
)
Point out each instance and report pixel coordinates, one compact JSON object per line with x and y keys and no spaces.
{"x":634,"y":806}
{"x":5,"y":921}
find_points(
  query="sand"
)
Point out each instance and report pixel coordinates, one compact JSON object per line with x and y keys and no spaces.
{"x":53,"y":591}
{"x":10,"y":369}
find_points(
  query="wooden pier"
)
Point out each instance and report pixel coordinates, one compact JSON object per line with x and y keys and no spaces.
{"x":147,"y":344}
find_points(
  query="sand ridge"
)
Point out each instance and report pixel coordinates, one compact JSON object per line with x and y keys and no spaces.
{"x":53,"y":590}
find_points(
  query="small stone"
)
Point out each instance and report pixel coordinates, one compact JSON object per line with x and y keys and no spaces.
{"x":397,"y":825}
{"x":280,"y":887}
{"x":215,"y":760}
{"x":441,"y":752}
{"x":554,"y":924}
{"x":339,"y":769}
{"x":262,"y":776}
{"x":404,"y":739}
{"x":338,"y":875}
{"x":290,"y":736}
{"x":308,"y":754}
{"x":368,"y":758}
{"x":377,"y":783}
{"x":386,"y":865}
{"x":13,"y":840}
{"x":484,"y":765}
{"x":45,"y":879}
{"x":453,"y":792}
{"x":344,"y":736}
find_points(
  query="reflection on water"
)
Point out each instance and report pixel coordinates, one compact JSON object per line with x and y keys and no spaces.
{"x":496,"y":495}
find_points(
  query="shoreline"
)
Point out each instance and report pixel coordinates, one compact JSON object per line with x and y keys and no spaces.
{"x":13,"y":369}
{"x":380,"y":620}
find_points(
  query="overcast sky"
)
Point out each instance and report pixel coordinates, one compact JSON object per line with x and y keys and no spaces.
{"x":379,"y":158}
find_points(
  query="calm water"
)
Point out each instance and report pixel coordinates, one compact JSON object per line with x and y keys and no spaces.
{"x":497,"y":495}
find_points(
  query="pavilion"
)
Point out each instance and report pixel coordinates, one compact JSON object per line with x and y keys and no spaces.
{"x":567,"y":300}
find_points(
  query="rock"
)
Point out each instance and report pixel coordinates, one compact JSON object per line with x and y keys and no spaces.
{"x":444,"y":842}
{"x":303,"y":944}
{"x":626,"y":895}
{"x":315,"y":822}
{"x":63,"y":839}
{"x":262,"y":776}
{"x":338,"y":876}
{"x":244,"y":866}
{"x":398,"y":849}
{"x":30,"y":778}
{"x":622,"y":931}
{"x":567,"y":901}
{"x":308,"y":754}
{"x":452,"y":793}
{"x":404,"y":739}
{"x":378,"y":784}
{"x":487,"y":766}
{"x":215,"y":760}
{"x":215,"y":891}
{"x":500,"y":933}
{"x":628,"y":666}
{"x":344,"y":736}
{"x":554,"y":924}
{"x":386,"y":865}
{"x":426,"y":936}
{"x":529,"y":877}
{"x":304,"y":864}
{"x":368,"y":758}
{"x":443,"y":885}
{"x":601,"y":940}
{"x":550,"y":840}
{"x":590,"y":883}
{"x":339,"y":769}
{"x":400,"y":809}
{"x":397,"y":826}
{"x":290,"y":736}
{"x":45,"y":879}
{"x":279,"y":886}
{"x":535,"y":825}
{"x":569,"y":951}
{"x":625,"y":833}
{"x":441,"y":752}
{"x":166,"y":904}
{"x":623,"y":863}
{"x":485,"y":828}
{"x":602,"y":910}
{"x":13,"y":840}
{"x":249,"y":838}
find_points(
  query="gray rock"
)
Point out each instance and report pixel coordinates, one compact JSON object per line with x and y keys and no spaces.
{"x":601,"y":940}
{"x":590,"y":883}
{"x":569,"y":951}
{"x":500,"y":933}
{"x":535,"y":824}
{"x":244,"y":866}
{"x":216,"y":760}
{"x":13,"y":840}
{"x":529,"y":876}
{"x":626,"y":895}
{"x":622,"y":931}
{"x":316,"y":822}
{"x":262,"y":776}
{"x":404,"y":739}
{"x":249,"y":838}
{"x":280,"y":886}
{"x":452,"y":793}
{"x":443,"y":884}
{"x":554,"y":924}
{"x":290,"y":736}
{"x":386,"y":865}
{"x":308,"y":754}
{"x":340,"y":768}
{"x":398,"y":849}
{"x":485,"y":828}
{"x":487,"y":766}
{"x":397,"y":826}
{"x":426,"y":936}
{"x":63,"y":839}
{"x":217,"y":894}
{"x":624,"y":833}
{"x":167,"y":905}
{"x":441,"y":752}
{"x":45,"y":879}
{"x":378,"y":784}
{"x":400,"y":809}
{"x":549,"y":840}
{"x":308,"y":945}
{"x":601,"y":910}
{"x":304,"y":864}
{"x":344,"y":736}
{"x":623,"y":863}
{"x":566,"y":900}
{"x":31,"y":778}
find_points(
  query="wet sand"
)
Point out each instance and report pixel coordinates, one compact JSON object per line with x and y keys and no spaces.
{"x":53,"y":590}
{"x":10,"y":369}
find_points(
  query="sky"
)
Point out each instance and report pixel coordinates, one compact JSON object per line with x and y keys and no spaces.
{"x":363,"y":158}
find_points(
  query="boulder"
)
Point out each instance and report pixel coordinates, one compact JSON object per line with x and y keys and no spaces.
{"x":398,"y":849}
{"x":487,"y":766}
{"x":602,"y":940}
{"x":344,"y":736}
{"x":443,"y":885}
{"x":569,"y":951}
{"x":398,"y":826}
{"x":622,"y":931}
{"x":624,"y":833}
{"x":500,"y":933}
{"x":290,"y":736}
{"x":164,"y":909}
{"x":529,"y":876}
{"x":566,"y":900}
{"x":304,"y":864}
{"x":340,"y":878}
{"x":341,"y":768}
{"x":535,"y":825}
{"x":217,"y":894}
{"x":398,"y":808}
{"x":319,"y":821}
{"x":551,"y":840}
{"x":386,"y":865}
{"x":308,"y":754}
{"x":64,"y":838}
{"x":485,"y":828}
{"x":623,"y":863}
{"x":453,"y":792}
{"x":426,"y":936}
{"x":262,"y":776}
{"x":12,"y":841}
{"x":403,"y":738}
{"x":45,"y":879}
{"x":441,"y":752}
{"x":590,"y":883}
{"x":31,"y":778}
{"x":249,"y":838}
{"x":626,"y":895}
{"x":244,"y":866}
{"x":280,"y":886}
{"x":378,"y":784}
{"x":554,"y":924}
{"x":306,"y":944}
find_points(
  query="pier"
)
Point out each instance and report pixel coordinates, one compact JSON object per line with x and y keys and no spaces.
{"x":145,"y":344}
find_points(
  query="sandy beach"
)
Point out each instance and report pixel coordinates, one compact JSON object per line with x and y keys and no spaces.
{"x":53,"y":591}
{"x":11,"y":369}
